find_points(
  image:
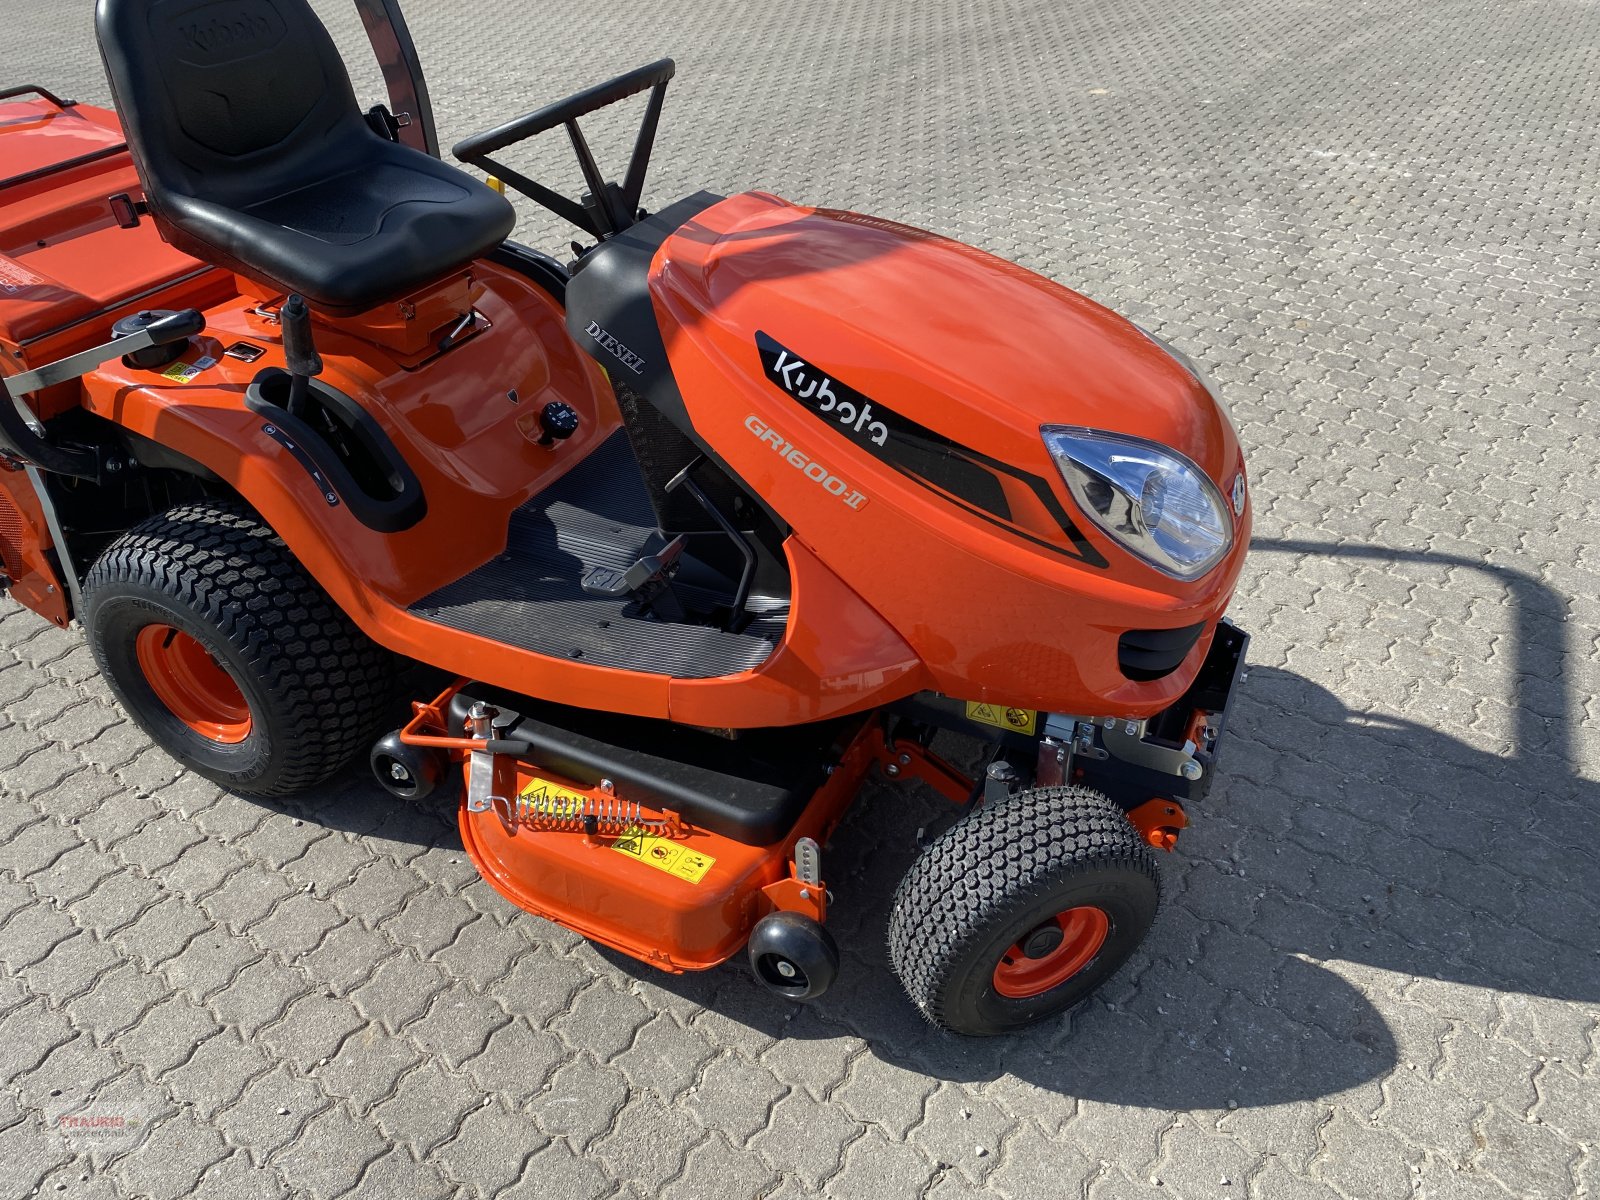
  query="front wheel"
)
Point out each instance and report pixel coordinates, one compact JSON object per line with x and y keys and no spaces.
{"x":1021,"y":909}
{"x":222,"y":649}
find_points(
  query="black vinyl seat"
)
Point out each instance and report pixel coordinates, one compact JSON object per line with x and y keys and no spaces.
{"x":255,"y":156}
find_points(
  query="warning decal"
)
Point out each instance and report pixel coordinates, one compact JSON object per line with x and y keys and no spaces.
{"x":1018,"y":720}
{"x":551,"y":799}
{"x":664,"y":854}
{"x":180,"y":372}
{"x":14,"y":277}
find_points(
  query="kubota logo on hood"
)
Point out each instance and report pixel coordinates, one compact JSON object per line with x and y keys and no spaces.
{"x":822,"y":393}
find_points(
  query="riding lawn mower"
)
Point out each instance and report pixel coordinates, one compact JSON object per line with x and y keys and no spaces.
{"x":741,"y":502}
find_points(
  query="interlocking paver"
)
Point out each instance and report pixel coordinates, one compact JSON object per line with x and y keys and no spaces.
{"x":219,"y":1072}
{"x":176,"y":1153}
{"x":581,"y":1101}
{"x":166,"y":1035}
{"x":491,"y":1149}
{"x":331,"y":1154}
{"x":397,"y":1174}
{"x":1377,"y":973}
{"x":647,"y":1142}
{"x":270,"y":1113}
{"x":367,"y":1067}
{"x":425,"y":1109}
{"x":516,"y":1060}
{"x":311,"y":1030}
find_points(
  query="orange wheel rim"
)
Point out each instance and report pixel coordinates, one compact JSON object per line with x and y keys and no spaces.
{"x":1051,"y":953}
{"x":192,"y":684}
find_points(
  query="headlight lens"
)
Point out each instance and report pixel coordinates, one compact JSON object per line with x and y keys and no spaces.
{"x":1151,"y":499}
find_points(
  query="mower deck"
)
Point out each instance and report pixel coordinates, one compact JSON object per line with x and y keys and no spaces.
{"x":531,"y":596}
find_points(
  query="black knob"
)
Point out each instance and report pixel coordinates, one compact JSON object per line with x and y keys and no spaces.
{"x":299,"y":349}
{"x":559,"y":422}
{"x":151,"y":357}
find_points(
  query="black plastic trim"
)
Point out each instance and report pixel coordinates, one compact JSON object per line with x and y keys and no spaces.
{"x":922,"y":455}
{"x":532,"y":264}
{"x":610,"y":313}
{"x":609,"y":292}
{"x":392,"y":514}
{"x":33,"y":89}
{"x":1146,"y":654}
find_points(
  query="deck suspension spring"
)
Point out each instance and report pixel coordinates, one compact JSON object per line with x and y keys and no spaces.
{"x":608,"y":814}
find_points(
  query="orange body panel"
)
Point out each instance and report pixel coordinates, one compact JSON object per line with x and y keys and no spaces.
{"x":985,"y":353}
{"x":24,"y":538}
{"x":67,"y":270}
{"x":905,"y":591}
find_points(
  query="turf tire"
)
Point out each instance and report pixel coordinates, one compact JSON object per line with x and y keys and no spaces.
{"x":996,"y":874}
{"x":316,"y":686}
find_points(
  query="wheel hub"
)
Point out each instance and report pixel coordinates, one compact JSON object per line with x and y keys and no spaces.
{"x":192,"y":684}
{"x":1042,"y":940}
{"x":1051,"y":953}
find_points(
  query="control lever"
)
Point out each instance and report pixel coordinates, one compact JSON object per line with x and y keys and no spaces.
{"x":299,"y":351}
{"x":162,"y":331}
{"x":23,"y":435}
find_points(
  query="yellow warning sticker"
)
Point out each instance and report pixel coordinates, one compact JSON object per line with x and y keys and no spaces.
{"x":1018,"y":720}
{"x":182,"y":372}
{"x":552,"y":799}
{"x":664,"y":854}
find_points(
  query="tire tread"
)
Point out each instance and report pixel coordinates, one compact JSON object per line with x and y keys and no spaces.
{"x":217,"y":558}
{"x":995,"y":862}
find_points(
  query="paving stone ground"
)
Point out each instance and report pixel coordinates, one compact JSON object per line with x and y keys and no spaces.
{"x":1379,"y":971}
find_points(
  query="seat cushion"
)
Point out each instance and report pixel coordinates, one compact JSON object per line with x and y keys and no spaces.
{"x":365,"y":235}
{"x":255,"y":157}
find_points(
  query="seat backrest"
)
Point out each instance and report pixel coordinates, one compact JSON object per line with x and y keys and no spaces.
{"x":218,"y":99}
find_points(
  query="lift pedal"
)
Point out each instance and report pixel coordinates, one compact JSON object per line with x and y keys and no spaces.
{"x":649,"y":569}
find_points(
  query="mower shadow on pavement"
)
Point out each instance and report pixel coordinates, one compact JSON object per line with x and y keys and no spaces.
{"x":1486,"y":860}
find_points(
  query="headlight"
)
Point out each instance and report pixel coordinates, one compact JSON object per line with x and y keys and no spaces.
{"x":1152,"y":500}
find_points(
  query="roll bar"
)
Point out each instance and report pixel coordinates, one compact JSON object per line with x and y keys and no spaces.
{"x":402,"y":73}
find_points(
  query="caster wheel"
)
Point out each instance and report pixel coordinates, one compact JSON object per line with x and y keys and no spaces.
{"x":1021,"y":909}
{"x":793,"y":955}
{"x":407,"y":772}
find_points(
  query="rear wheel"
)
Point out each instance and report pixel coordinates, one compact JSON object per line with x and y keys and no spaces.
{"x":1021,"y":909}
{"x":222,"y":649}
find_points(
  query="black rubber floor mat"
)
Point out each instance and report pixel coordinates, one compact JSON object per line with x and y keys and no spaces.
{"x":531,"y":597}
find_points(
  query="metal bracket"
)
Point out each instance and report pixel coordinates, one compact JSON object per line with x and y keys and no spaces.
{"x":808,"y":862}
{"x":69,"y":570}
{"x":480,"y":782}
{"x":1125,"y":739}
{"x":401,"y":67}
{"x":1099,"y":738}
{"x":1054,"y":766}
